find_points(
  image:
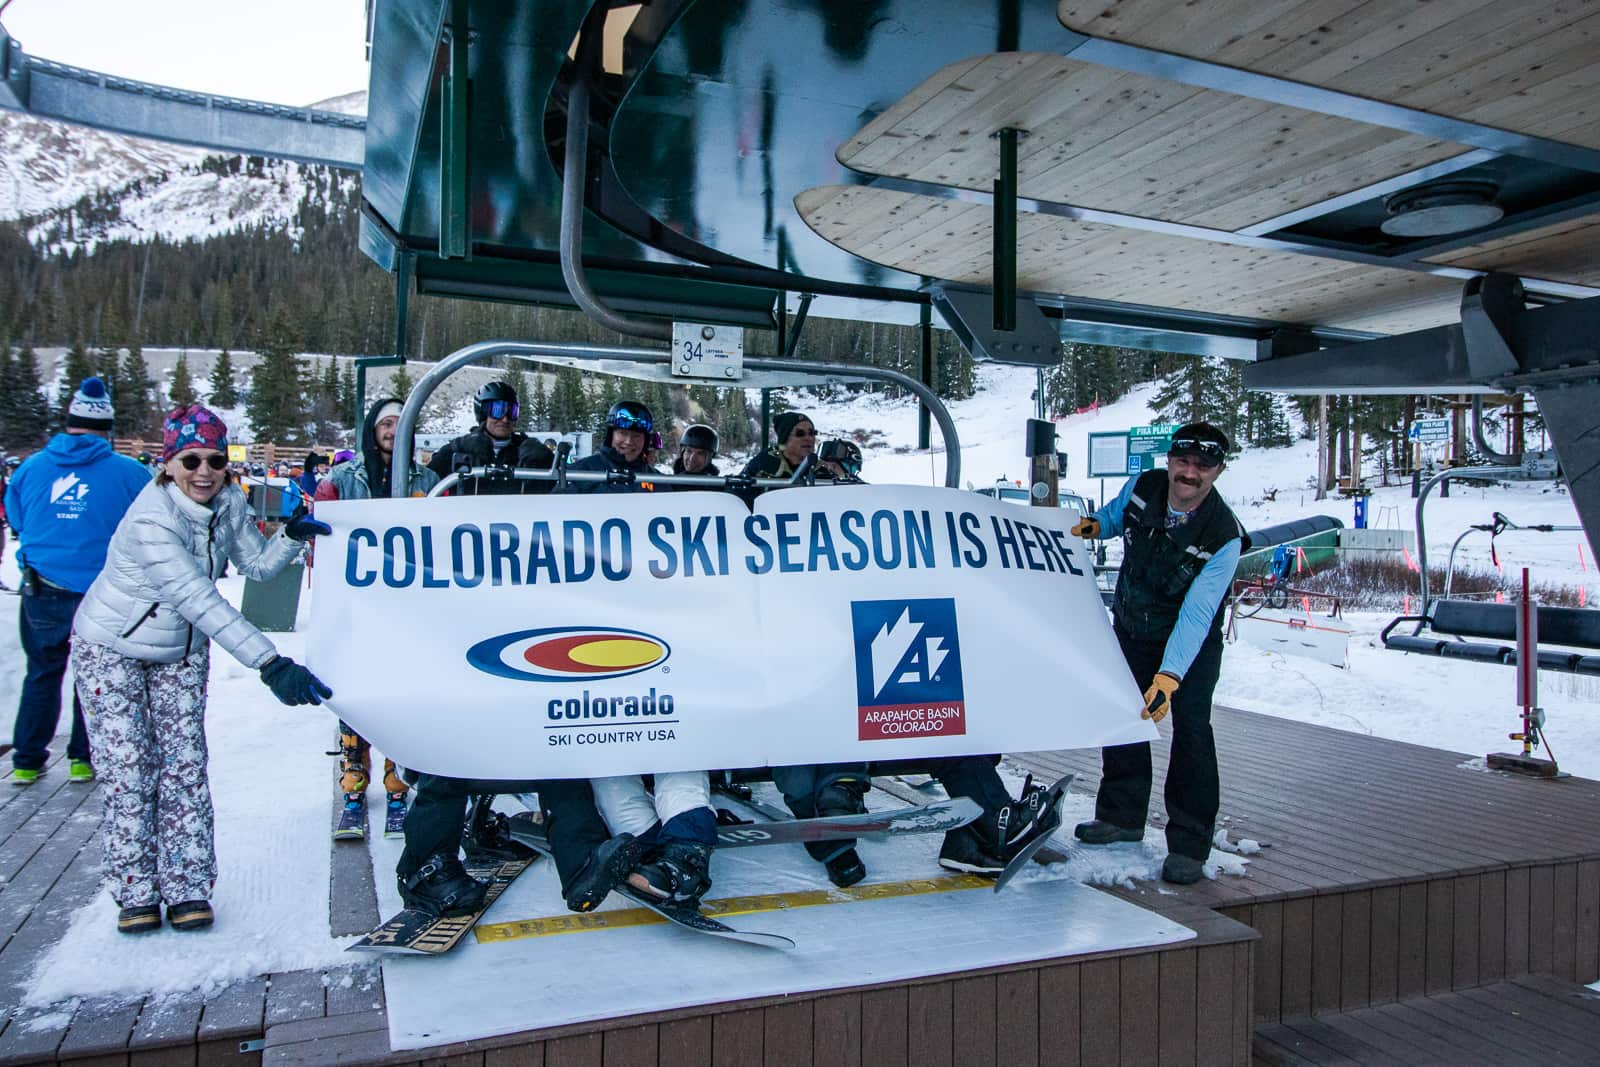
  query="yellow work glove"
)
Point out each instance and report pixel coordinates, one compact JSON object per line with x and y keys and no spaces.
{"x":1089,"y":528}
{"x":1158,"y":698}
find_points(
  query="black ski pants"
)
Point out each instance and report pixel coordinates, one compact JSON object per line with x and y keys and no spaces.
{"x":439,"y":812}
{"x":1192,"y":787}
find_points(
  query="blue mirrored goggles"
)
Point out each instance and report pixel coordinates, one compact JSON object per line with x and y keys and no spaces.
{"x":1210,"y":452}
{"x":627,"y":420}
{"x":501,"y":409}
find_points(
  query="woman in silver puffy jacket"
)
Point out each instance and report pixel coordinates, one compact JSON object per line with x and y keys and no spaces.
{"x":141,"y":658}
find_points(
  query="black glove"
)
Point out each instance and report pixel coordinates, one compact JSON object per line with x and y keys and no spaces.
{"x":302,"y":527}
{"x":292,"y":683}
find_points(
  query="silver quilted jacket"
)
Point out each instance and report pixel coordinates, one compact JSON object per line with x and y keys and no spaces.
{"x":157,"y":598}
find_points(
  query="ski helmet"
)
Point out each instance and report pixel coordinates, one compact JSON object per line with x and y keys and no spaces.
{"x":145,"y":458}
{"x":13,"y":462}
{"x":630,"y":415}
{"x":699,"y":436}
{"x":495,"y":400}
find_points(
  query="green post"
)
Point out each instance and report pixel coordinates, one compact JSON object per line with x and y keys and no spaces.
{"x":924,"y":417}
{"x":453,"y":236}
{"x":1005,"y":233}
{"x":402,"y":293}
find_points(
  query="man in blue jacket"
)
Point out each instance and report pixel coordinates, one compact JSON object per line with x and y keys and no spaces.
{"x":64,"y":502}
{"x":1181,"y":545}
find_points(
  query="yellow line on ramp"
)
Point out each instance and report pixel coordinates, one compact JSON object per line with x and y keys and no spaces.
{"x":751,"y":905}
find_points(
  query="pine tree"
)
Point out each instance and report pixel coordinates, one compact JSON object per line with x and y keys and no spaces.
{"x":569,"y":402}
{"x":28,"y":413}
{"x":538,"y":407}
{"x":519,"y":385}
{"x":347,"y":396}
{"x":136,"y":412}
{"x":224,"y":394}
{"x":78,"y":367}
{"x":180,"y":393}
{"x":400,"y":383}
{"x":277,"y":408}
{"x":1196,"y":390}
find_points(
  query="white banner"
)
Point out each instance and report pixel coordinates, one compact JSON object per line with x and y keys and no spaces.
{"x":527,"y":637}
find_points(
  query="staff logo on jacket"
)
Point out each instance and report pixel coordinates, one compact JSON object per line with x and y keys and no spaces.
{"x":69,"y":488}
{"x":569,"y":653}
{"x":908,"y":669}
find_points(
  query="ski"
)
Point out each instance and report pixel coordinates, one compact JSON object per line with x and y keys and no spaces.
{"x":394,"y":816}
{"x":352,"y":818}
{"x":1054,"y":795}
{"x":700,"y":923}
{"x":415,"y":932}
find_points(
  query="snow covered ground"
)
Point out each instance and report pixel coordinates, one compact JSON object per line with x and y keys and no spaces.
{"x":272,"y":780}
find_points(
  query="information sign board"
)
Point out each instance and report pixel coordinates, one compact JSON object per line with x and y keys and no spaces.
{"x":1108,"y":455}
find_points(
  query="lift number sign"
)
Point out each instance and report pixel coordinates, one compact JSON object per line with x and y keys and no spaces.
{"x":700,"y":350}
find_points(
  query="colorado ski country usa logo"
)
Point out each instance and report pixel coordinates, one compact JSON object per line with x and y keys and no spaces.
{"x":569,"y":654}
{"x":908,"y":669}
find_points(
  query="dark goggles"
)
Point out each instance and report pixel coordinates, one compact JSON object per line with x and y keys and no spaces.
{"x":627,"y":420}
{"x":191,"y":462}
{"x":1210,"y":452}
{"x":501,"y":409}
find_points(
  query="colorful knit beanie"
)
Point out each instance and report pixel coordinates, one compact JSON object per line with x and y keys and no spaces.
{"x":194,"y":426}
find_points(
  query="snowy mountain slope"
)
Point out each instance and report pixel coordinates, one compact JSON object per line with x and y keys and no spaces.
{"x":45,"y":165}
{"x":47,"y":168}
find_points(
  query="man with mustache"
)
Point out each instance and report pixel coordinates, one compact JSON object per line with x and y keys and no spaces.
{"x":1181,"y":545}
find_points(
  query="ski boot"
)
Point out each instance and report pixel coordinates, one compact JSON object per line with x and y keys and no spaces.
{"x":442,"y":888}
{"x":988,"y":843}
{"x":676,"y":873}
{"x":355,"y":762}
{"x":486,"y":840}
{"x":605,"y":868}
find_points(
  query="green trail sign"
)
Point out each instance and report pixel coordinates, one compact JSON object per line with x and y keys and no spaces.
{"x":1146,"y":444}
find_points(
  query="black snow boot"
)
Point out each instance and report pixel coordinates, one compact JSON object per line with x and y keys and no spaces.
{"x":678,"y":872}
{"x":966,"y":850}
{"x":487,"y":837}
{"x":987,"y":844}
{"x":847,"y":796}
{"x":605,"y":868}
{"x":442,"y":888}
{"x":845,"y":869}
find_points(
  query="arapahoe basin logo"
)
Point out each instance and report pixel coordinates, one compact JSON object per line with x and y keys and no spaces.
{"x":569,"y":654}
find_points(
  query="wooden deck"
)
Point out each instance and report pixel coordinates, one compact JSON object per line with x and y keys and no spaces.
{"x":1399,"y":893}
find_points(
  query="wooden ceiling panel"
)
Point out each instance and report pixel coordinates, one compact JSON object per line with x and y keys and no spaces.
{"x":1568,"y":252}
{"x":1526,"y":66}
{"x":1123,"y":142}
{"x":948,"y":240}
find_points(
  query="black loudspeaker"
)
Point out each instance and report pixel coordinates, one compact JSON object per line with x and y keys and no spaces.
{"x":1041,"y":438}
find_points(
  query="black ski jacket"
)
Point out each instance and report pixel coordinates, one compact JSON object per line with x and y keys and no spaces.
{"x":478,"y":450}
{"x":609,"y":459}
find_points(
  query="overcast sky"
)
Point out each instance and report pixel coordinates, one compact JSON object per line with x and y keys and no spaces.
{"x":284,"y":51}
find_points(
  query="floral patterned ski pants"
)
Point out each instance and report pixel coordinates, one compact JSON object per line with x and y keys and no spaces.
{"x":147,"y":728}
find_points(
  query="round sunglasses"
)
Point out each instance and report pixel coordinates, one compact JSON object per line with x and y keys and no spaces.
{"x":191,"y":462}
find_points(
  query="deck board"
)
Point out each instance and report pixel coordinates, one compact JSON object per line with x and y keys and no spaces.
{"x":1393,"y":879}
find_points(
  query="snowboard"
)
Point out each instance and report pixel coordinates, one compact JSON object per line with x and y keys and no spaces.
{"x":938,"y":817}
{"x":700,"y":923}
{"x":414,"y":932}
{"x":394,"y":816}
{"x":1053,"y":798}
{"x":352,"y":824}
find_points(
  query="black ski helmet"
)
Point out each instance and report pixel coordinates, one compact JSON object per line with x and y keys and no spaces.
{"x":699,"y":436}
{"x":630,"y":415}
{"x":492,"y":391}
